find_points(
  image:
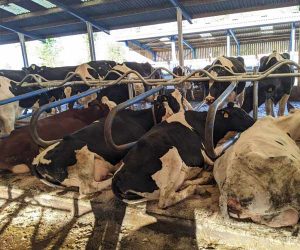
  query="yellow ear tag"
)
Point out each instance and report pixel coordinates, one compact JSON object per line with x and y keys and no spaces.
{"x":33,"y":66}
{"x":226,"y":115}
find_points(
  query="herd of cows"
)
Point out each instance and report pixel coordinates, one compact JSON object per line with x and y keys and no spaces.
{"x":169,"y":155}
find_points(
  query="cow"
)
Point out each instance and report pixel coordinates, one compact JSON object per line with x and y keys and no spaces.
{"x":119,"y":93}
{"x":273,"y":90}
{"x":163,"y":162}
{"x":188,"y":87}
{"x":18,"y":150}
{"x":84,"y":159}
{"x":276,"y":90}
{"x":259,"y":175}
{"x":8,"y":89}
{"x":215,"y":89}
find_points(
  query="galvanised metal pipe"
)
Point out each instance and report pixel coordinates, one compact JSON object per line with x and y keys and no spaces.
{"x":255,"y":98}
{"x":25,"y":96}
{"x":210,"y":121}
{"x":112,"y":114}
{"x":91,"y":41}
{"x":36,"y":115}
{"x":180,"y":80}
{"x":180,"y":37}
{"x":23,"y":48}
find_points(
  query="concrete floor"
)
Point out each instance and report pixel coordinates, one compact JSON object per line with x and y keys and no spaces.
{"x":34,"y":216}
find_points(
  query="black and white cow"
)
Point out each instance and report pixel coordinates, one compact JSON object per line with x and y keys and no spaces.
{"x":188,"y":87}
{"x":84,"y":159}
{"x":215,"y":89}
{"x":273,"y":90}
{"x":163,"y":162}
{"x":276,"y":90}
{"x":120,"y":93}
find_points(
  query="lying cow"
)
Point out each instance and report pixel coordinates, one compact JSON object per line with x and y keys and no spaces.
{"x":18,"y":150}
{"x":84,"y":159}
{"x":215,"y":89}
{"x":258,"y":177}
{"x":163,"y":164}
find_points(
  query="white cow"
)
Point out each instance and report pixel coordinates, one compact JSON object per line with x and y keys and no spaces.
{"x":8,"y":112}
{"x":259,"y":177}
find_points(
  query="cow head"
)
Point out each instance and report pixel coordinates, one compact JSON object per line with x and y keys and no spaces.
{"x":166,"y":105}
{"x":215,"y":89}
{"x":33,"y":69}
{"x":231,"y":118}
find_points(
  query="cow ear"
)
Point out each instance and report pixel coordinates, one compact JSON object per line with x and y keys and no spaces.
{"x":226,"y":115}
{"x":230,"y":105}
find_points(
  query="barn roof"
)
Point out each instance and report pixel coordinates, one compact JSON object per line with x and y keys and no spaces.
{"x":40,"y":19}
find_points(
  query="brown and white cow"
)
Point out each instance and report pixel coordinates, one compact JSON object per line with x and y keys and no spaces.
{"x":18,"y":150}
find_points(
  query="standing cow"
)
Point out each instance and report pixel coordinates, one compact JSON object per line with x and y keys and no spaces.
{"x":163,"y":162}
{"x":271,"y":90}
{"x":215,"y":89}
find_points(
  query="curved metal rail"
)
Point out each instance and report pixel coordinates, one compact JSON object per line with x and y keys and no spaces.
{"x":25,"y":96}
{"x":33,"y":122}
{"x":205,"y":75}
{"x":109,"y":120}
{"x":210,"y":121}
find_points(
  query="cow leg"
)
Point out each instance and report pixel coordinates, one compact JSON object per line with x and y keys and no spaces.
{"x":240,"y":98}
{"x":269,"y":107}
{"x":186,"y":104}
{"x":20,"y":169}
{"x":204,"y":179}
{"x":102,"y":168}
{"x":166,"y":200}
{"x":282,"y":104}
{"x":8,"y":125}
{"x":192,"y":92}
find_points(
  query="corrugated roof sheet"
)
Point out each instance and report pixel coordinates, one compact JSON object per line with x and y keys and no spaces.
{"x":115,"y":14}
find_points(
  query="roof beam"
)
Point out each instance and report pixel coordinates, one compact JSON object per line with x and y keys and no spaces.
{"x":230,"y":31}
{"x":21,"y":31}
{"x":186,"y":15}
{"x":80,"y":16}
{"x":142,"y":46}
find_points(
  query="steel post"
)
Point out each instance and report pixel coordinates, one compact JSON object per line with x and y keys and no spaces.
{"x":299,"y":56}
{"x":228,"y":50}
{"x":91,"y":41}
{"x":292,"y":41}
{"x":23,"y":48}
{"x":255,"y":97}
{"x":173,"y":48}
{"x":180,"y":37}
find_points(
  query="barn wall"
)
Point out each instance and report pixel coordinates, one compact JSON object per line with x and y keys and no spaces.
{"x":246,"y":49}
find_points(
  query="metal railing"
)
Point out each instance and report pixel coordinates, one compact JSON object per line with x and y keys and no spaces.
{"x":204,"y":75}
{"x":34,"y":119}
{"x":111,"y":115}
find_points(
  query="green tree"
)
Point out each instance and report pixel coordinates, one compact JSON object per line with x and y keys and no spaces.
{"x":49,"y":52}
{"x":116,"y":52}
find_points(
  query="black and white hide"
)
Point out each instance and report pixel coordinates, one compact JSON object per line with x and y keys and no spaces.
{"x":165,"y":162}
